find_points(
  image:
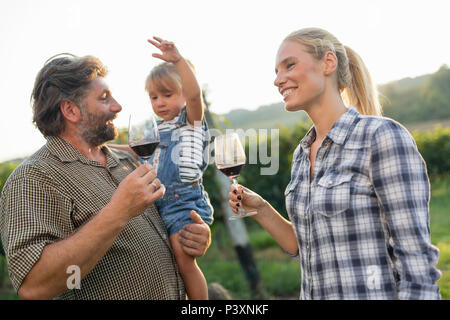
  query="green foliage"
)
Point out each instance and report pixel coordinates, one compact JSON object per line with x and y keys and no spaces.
{"x":271,"y":187}
{"x":5,"y":170}
{"x":279,"y":273}
{"x":269,"y":116}
{"x":440,"y":211}
{"x":409,"y":100}
{"x":260,"y":239}
{"x":417,"y":100}
{"x":212,"y":187}
{"x":122,"y":138}
{"x":434,"y":147}
{"x":440,"y":226}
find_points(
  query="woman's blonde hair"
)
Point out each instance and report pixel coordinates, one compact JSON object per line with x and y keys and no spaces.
{"x":354,"y":81}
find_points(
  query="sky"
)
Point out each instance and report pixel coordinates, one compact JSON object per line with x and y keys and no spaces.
{"x":231,"y":43}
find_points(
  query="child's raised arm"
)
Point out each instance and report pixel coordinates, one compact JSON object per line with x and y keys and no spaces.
{"x":191,"y":88}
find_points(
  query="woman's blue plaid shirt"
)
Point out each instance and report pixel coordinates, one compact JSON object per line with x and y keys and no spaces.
{"x":362,"y":223}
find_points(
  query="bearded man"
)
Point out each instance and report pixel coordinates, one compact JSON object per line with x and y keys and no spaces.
{"x":77,"y":219}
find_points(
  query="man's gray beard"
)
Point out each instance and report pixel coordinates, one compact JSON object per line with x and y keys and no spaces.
{"x":96,"y":133}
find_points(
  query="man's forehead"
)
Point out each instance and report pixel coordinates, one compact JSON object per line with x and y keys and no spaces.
{"x":99,"y":84}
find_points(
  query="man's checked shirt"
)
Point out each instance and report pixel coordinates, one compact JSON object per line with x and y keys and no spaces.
{"x":362,"y":223}
{"x":53,"y":193}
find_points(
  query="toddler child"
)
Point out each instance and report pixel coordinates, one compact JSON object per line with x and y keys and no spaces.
{"x":182,"y":155}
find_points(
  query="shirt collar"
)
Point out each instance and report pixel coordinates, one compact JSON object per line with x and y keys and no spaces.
{"x":342,"y":127}
{"x":68,"y":153}
{"x":309,"y":138}
{"x":338,"y":133}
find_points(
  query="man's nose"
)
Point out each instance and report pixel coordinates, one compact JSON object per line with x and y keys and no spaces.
{"x":116,"y":107}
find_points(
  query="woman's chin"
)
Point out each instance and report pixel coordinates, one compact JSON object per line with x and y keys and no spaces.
{"x":292,"y":108}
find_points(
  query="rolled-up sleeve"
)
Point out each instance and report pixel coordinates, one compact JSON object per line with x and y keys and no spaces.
{"x":33,"y":215}
{"x":402,"y":186}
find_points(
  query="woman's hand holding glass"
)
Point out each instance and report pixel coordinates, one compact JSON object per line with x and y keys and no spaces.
{"x":230,"y":159}
{"x":242,"y":197}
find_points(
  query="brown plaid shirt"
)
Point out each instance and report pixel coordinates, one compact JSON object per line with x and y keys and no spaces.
{"x":54,"y":192}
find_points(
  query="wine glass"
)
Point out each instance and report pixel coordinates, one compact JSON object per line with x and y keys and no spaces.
{"x":143,"y":136}
{"x":230,"y":158}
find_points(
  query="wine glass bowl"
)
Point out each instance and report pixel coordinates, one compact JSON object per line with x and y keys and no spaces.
{"x":230,"y":159}
{"x":143,"y":136}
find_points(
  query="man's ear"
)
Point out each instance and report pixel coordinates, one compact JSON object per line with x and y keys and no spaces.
{"x":70,"y":111}
{"x":330,"y":63}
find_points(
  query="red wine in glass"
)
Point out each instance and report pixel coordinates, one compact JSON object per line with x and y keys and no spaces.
{"x":230,"y":159}
{"x":233,"y":171}
{"x":143,"y":136}
{"x":144,"y":150}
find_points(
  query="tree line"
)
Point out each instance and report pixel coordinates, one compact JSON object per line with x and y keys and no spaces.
{"x":408,"y":101}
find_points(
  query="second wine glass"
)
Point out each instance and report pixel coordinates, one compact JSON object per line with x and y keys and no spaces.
{"x":143,"y":136}
{"x":230,"y":159}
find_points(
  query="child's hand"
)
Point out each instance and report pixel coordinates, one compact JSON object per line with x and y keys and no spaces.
{"x":169,"y":51}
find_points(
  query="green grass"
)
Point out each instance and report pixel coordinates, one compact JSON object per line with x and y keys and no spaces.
{"x":444,"y":266}
{"x":440,"y":230}
{"x":6,"y":291}
{"x":279,"y":273}
{"x":428,"y":125}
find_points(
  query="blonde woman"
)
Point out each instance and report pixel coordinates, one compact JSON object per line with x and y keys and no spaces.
{"x":359,"y":191}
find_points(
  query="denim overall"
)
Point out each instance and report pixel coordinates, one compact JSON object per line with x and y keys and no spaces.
{"x":180,"y":197}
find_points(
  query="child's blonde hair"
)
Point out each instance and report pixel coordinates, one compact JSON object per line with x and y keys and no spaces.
{"x":354,"y":81}
{"x":165,"y":77}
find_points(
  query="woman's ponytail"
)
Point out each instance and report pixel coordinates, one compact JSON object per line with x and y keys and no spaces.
{"x":361,"y":92}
